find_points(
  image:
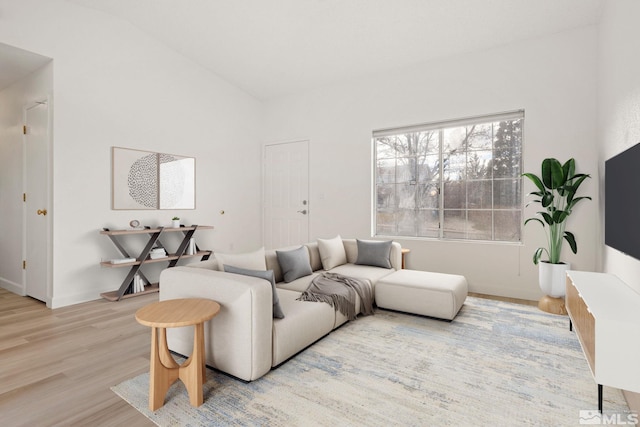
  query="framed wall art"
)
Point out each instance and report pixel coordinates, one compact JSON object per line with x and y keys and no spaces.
{"x":149,"y":180}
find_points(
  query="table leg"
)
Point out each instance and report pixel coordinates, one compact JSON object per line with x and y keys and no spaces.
{"x":164,"y":370}
{"x":165,"y":355}
{"x":160,"y":376}
{"x":192,"y":372}
{"x":202,"y":356}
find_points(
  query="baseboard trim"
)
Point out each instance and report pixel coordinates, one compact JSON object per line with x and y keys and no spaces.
{"x":65,"y":300}
{"x":16,"y":288}
{"x":507,"y":299}
{"x":515,"y":293}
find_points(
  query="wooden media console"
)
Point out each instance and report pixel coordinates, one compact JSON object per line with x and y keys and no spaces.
{"x":604,"y":311}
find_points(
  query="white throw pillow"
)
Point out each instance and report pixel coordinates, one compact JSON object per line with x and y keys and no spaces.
{"x":250,"y":260}
{"x":332,"y":252}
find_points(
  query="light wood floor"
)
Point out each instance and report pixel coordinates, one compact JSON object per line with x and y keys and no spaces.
{"x":507,"y":299}
{"x":57,"y":366}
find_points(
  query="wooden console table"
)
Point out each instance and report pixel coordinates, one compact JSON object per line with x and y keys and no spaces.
{"x":604,"y":311}
{"x":143,"y":257}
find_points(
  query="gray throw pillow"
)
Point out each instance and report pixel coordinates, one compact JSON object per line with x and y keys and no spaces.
{"x":374,"y":252}
{"x":262,"y":274}
{"x":294,"y":263}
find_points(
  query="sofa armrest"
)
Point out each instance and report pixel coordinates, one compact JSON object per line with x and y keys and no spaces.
{"x":396,"y":256}
{"x":238,"y":340}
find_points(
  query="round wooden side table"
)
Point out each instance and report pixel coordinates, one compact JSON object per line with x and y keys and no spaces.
{"x":164,"y":370}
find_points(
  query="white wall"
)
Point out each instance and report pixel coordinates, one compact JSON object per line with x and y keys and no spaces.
{"x":619,"y":109}
{"x":619,"y":120}
{"x":114,"y":86}
{"x":34,"y":87}
{"x":553,"y":79}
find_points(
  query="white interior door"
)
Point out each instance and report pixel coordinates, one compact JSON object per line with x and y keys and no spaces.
{"x":37,"y":210}
{"x":286,"y":194}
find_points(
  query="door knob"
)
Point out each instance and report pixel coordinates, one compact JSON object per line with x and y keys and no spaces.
{"x":41,"y":212}
{"x":303,"y":212}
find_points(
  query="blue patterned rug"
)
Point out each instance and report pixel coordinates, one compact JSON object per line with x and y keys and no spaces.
{"x":496,"y":364}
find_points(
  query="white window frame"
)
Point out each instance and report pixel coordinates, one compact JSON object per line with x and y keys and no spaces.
{"x":440,"y":127}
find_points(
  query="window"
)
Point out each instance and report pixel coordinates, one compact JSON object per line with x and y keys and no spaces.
{"x":451,"y":180}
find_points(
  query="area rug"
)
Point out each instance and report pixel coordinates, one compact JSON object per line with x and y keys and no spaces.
{"x":497,"y":363}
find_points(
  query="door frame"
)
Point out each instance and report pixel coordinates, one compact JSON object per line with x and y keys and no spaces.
{"x":48,"y":240}
{"x":263,"y":174}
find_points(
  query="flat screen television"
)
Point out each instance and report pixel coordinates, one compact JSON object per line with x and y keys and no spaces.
{"x":622,"y":202}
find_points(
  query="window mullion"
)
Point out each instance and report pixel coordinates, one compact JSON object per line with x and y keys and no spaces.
{"x":416,"y":201}
{"x":465,"y":180}
{"x":493,"y":195}
{"x":441,"y":184}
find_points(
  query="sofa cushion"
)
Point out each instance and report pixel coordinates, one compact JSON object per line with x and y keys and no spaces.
{"x":294,"y":263}
{"x":266,"y":275}
{"x":314,"y":255}
{"x":372,"y":274}
{"x":298,"y":285}
{"x":251,"y":260}
{"x":306,"y":322}
{"x":271,"y":259}
{"x":332,"y":252}
{"x":422,"y":292}
{"x":351,"y":249}
{"x":374,"y":253}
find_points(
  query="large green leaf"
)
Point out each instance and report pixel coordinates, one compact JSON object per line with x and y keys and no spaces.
{"x":534,"y":219}
{"x":536,"y":181}
{"x":575,"y":201}
{"x":580,"y":179}
{"x":569,"y":194}
{"x":563,"y":191}
{"x":547,"y":218}
{"x":537,"y":255}
{"x":552,"y":174}
{"x":547,"y":199}
{"x":569,"y":169}
{"x":570,"y":238}
{"x":559,"y":216}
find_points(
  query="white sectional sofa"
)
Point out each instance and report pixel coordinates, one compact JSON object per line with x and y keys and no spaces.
{"x":245,"y":339}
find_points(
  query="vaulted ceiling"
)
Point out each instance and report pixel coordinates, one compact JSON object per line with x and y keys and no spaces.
{"x":16,"y":63}
{"x":270,"y":48}
{"x":274,"y":47}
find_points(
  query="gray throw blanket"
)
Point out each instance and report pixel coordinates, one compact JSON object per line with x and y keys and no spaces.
{"x":340,"y":293}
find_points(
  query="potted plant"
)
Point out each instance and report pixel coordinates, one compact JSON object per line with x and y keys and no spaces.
{"x":556,"y":194}
{"x":176,"y":222}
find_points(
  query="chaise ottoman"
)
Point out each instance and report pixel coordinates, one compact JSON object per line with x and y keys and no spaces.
{"x":422,"y":292}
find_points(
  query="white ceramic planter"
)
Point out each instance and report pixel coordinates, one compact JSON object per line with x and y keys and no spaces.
{"x":553,"y":278}
{"x":176,"y":223}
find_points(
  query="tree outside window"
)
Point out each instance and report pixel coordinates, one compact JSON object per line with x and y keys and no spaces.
{"x":455,"y":180}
